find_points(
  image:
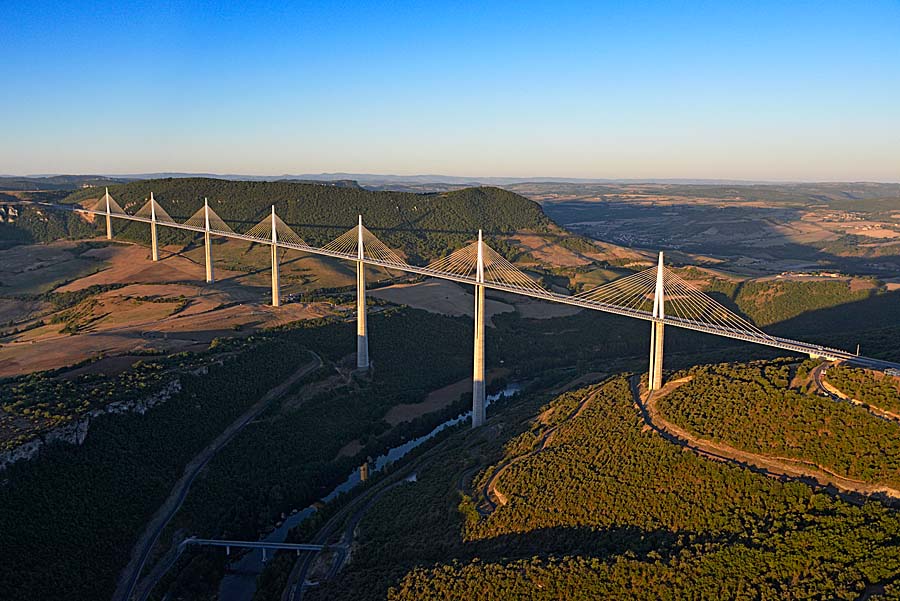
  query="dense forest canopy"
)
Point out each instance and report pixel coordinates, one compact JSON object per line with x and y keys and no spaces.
{"x":752,"y":407}
{"x":95,"y":498}
{"x":421,"y":225}
{"x":867,"y":386}
{"x":607,"y":509}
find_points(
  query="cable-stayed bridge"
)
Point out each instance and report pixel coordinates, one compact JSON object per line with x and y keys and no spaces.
{"x":657,"y":295}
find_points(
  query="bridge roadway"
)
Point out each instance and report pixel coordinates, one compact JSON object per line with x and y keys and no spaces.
{"x":248,"y":544}
{"x":745,"y":336}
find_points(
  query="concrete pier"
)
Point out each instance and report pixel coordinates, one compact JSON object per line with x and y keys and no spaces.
{"x":656,"y":356}
{"x":478,"y":396}
{"x":276,"y":299}
{"x":657,"y":336}
{"x":154,"y":242}
{"x":362,"y":336}
{"x":208,"y":245}
{"x":108,"y":217}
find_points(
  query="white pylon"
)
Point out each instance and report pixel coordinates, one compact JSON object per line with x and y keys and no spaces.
{"x":655,"y":377}
{"x":478,"y":396}
{"x":207,"y":243}
{"x":154,"y":243}
{"x":108,"y":217}
{"x":362,"y":337}
{"x":276,"y":300}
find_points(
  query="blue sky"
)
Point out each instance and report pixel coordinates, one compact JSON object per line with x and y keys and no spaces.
{"x":756,"y":90}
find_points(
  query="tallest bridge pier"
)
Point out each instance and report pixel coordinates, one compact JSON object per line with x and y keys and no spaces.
{"x":276,"y":296}
{"x":109,"y":233}
{"x":362,"y":336}
{"x":654,"y":381}
{"x":478,"y":396}
{"x":207,"y":244}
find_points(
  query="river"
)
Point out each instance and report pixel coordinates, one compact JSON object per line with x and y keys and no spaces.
{"x":239,"y":583}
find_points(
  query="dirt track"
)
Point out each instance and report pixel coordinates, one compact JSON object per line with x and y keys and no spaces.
{"x":830,"y":389}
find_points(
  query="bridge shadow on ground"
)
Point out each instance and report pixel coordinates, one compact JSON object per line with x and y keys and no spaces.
{"x":878,"y":311}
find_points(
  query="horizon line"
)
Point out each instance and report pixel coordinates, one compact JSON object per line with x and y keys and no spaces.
{"x":436,"y":178}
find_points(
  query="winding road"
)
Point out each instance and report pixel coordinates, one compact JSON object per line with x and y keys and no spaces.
{"x":351,"y":515}
{"x":491,"y":492}
{"x":781,"y":468}
{"x":128,"y":579}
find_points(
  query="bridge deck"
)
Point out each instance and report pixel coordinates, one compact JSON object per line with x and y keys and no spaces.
{"x":746,"y":336}
{"x":248,"y":544}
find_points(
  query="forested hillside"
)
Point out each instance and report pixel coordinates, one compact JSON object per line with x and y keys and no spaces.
{"x":35,"y":224}
{"x":93,"y":500}
{"x":751,"y":407}
{"x":770,"y":302}
{"x":75,"y":511}
{"x":56,"y":182}
{"x":875,"y":388}
{"x":599,"y":507}
{"x":422,"y":225}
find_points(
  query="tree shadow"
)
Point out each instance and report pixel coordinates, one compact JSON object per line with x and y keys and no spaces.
{"x":590,"y":541}
{"x":601,"y":543}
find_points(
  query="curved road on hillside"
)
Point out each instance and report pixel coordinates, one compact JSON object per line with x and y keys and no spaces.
{"x":351,"y":515}
{"x":354,"y":511}
{"x":782,"y":468}
{"x":490,"y":491}
{"x":831,"y":391}
{"x":293,"y":590}
{"x":128,"y":580}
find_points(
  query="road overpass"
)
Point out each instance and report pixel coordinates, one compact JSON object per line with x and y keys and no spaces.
{"x":248,"y":544}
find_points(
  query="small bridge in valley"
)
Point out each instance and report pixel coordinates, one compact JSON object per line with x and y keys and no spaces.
{"x":249,"y":544}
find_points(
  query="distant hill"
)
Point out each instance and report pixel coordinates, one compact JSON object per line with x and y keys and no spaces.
{"x":386,"y":179}
{"x":855,"y":196}
{"x":769,"y":190}
{"x":422,"y":225}
{"x":57,"y":182}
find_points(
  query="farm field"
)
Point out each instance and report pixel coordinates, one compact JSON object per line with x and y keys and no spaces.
{"x":753,"y":230}
{"x":129,"y":304}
